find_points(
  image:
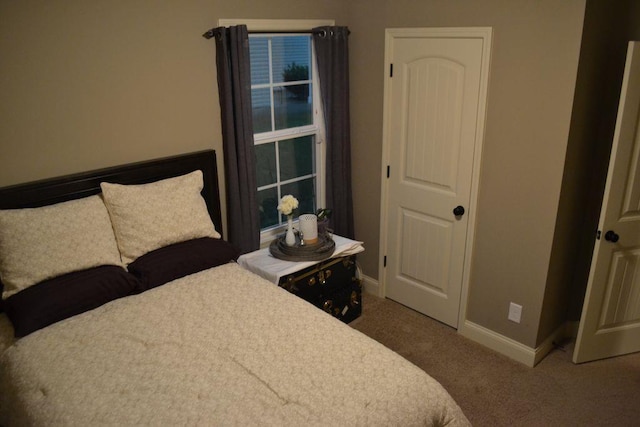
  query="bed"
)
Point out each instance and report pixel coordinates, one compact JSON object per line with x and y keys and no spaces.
{"x":169,"y":329}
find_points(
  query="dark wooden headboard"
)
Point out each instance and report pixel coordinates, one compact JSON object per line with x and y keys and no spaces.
{"x":70,"y":187}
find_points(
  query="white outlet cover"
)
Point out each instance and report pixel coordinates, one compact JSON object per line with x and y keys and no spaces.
{"x":515,"y":312}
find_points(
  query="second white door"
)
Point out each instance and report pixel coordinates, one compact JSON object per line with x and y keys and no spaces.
{"x":610,"y":323}
{"x":434,"y":115}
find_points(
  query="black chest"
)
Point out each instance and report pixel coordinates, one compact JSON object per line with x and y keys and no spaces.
{"x":331,"y":285}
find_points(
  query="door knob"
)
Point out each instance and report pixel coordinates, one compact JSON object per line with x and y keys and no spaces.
{"x":611,"y":236}
{"x":458,"y":211}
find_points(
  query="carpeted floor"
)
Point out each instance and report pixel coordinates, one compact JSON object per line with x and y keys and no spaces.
{"x":493,"y":390}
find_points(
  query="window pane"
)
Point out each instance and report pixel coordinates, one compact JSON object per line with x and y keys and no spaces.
{"x":259,"y":57}
{"x":268,"y":205}
{"x":282,"y":66}
{"x":291,"y":58}
{"x":294,"y":107}
{"x":305,"y":192}
{"x":266,"y":164}
{"x":299,"y":93}
{"x":261,"y":104}
{"x":296,"y":157}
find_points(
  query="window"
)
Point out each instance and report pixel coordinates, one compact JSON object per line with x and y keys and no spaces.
{"x":287,"y":118}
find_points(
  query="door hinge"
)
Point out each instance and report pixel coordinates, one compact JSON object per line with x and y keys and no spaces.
{"x":388,"y":171}
{"x":384,"y":263}
{"x":390,"y":70}
{"x":598,"y":234}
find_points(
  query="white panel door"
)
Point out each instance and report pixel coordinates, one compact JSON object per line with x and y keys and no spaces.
{"x":433,"y":108}
{"x":610,"y":323}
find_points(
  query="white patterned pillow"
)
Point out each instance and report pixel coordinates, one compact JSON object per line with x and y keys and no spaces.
{"x":150,"y":216}
{"x":41,"y":243}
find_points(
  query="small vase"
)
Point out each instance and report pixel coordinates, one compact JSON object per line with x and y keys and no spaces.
{"x":290,"y":237}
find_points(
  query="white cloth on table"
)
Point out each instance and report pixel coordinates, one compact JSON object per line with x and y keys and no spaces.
{"x":262,"y":263}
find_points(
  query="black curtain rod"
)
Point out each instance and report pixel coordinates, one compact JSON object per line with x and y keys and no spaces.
{"x":211,"y":33}
{"x":285,"y":32}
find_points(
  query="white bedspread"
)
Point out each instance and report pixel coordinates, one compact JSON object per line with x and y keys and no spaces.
{"x":220,"y":347}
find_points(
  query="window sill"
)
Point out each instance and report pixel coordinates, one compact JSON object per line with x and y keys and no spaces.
{"x":267,"y":236}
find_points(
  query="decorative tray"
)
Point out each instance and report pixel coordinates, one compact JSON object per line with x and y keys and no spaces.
{"x":319,"y":251}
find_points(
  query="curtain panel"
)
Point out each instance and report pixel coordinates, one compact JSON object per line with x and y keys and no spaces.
{"x":332,"y":56}
{"x":234,"y":87}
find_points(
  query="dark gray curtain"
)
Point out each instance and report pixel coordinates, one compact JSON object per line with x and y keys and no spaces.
{"x":234,"y":86}
{"x":332,"y":53}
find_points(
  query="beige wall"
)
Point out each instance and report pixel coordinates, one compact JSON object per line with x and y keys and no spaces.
{"x":608,"y":27}
{"x":89,"y":84}
{"x":533,"y":72}
{"x":93,"y":84}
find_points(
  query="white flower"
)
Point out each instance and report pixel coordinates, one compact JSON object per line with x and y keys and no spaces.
{"x":287,"y":204}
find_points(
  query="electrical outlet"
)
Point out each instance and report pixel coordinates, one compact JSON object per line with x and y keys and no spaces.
{"x":515,"y":312}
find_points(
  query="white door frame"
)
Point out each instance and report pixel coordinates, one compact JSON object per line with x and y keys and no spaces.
{"x":484,"y":33}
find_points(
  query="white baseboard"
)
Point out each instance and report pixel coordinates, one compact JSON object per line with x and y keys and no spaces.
{"x":479,"y":334}
{"x":495,"y":341}
{"x":503,"y":345}
{"x":370,"y":285}
{"x":550,"y":343}
{"x":511,"y":348}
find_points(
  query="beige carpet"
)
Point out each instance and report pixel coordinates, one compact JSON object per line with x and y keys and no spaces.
{"x":493,"y":390}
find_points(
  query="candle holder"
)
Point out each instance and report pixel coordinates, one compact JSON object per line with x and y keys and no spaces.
{"x":308,"y":225}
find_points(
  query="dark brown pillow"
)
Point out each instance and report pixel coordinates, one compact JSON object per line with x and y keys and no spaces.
{"x":181,"y":259}
{"x":64,"y":296}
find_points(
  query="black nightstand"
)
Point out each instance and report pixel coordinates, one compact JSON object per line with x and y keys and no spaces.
{"x":332,"y":285}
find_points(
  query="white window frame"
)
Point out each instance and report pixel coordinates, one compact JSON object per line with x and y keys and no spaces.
{"x":318,"y":128}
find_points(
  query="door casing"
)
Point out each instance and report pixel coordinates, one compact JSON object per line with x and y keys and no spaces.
{"x":485,"y":33}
